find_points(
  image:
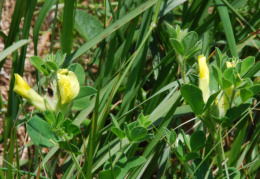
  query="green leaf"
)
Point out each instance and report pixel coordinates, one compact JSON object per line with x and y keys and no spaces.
{"x":228,"y":77}
{"x":130,"y":164}
{"x":40,"y":132}
{"x":107,"y":174}
{"x":172,"y":32}
{"x":217,"y":74}
{"x":109,"y":30}
{"x":202,"y":170}
{"x":13,"y":48}
{"x":234,"y":112}
{"x":218,"y":57}
{"x":59,"y":119}
{"x":87,"y":25}
{"x":186,"y":141}
{"x":189,"y":41}
{"x":180,"y":148}
{"x":118,"y":132}
{"x":82,"y":101}
{"x":197,"y":140}
{"x":39,"y":21}
{"x":137,"y":133}
{"x":79,"y":72}
{"x":49,"y":116}
{"x":255,"y":89}
{"x":38,"y":63}
{"x":193,"y":95}
{"x":173,"y":137}
{"x":224,"y":121}
{"x":72,"y":128}
{"x":246,"y":65}
{"x":114,"y":121}
{"x":52,"y":65}
{"x":177,"y":46}
{"x":67,"y":26}
{"x":210,"y":100}
{"x":245,"y":94}
{"x":69,"y":147}
{"x":233,"y":173}
{"x":193,"y":50}
{"x":191,"y":156}
{"x":59,"y":58}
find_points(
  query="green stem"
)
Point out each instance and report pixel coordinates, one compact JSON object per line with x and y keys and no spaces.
{"x":188,"y":169}
{"x":183,"y":72}
{"x":74,"y":158}
{"x":77,"y":164}
{"x":218,"y":150}
{"x":223,"y":153}
{"x":120,"y":154}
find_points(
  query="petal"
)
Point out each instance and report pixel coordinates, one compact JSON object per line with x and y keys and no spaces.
{"x":61,"y":88}
{"x":204,"y":71}
{"x":36,"y":100}
{"x":229,"y":64}
{"x":74,"y":84}
{"x":21,"y":87}
{"x":63,"y":71}
{"x":204,"y":86}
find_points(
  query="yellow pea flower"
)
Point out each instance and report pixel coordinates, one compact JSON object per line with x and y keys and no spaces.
{"x":24,"y":90}
{"x":68,"y":85}
{"x":204,"y":77}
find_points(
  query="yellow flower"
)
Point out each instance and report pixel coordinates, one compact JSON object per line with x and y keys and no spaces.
{"x":24,"y":90}
{"x":204,"y":77}
{"x":68,"y":85}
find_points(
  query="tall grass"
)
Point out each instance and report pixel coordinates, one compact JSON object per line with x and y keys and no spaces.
{"x":135,"y":69}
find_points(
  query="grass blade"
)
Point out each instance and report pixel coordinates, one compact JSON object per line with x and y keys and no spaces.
{"x":224,"y":16}
{"x":68,"y":26}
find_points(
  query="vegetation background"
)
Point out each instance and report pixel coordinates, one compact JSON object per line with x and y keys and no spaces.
{"x":125,"y":51}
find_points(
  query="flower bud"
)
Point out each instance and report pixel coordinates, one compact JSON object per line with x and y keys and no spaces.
{"x":24,"y":90}
{"x":204,"y":77}
{"x":68,"y":85}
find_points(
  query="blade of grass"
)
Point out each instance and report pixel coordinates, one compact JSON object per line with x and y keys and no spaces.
{"x":14,"y":27}
{"x":30,"y":7}
{"x":224,"y":16}
{"x":39,"y":21}
{"x":106,"y":32}
{"x":12,"y":48}
{"x":67,"y":26}
{"x":164,"y":123}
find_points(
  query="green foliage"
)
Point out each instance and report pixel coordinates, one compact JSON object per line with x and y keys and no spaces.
{"x":125,"y":97}
{"x":40,"y":132}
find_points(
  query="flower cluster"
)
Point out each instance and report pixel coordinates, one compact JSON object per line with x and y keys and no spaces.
{"x":68,"y":85}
